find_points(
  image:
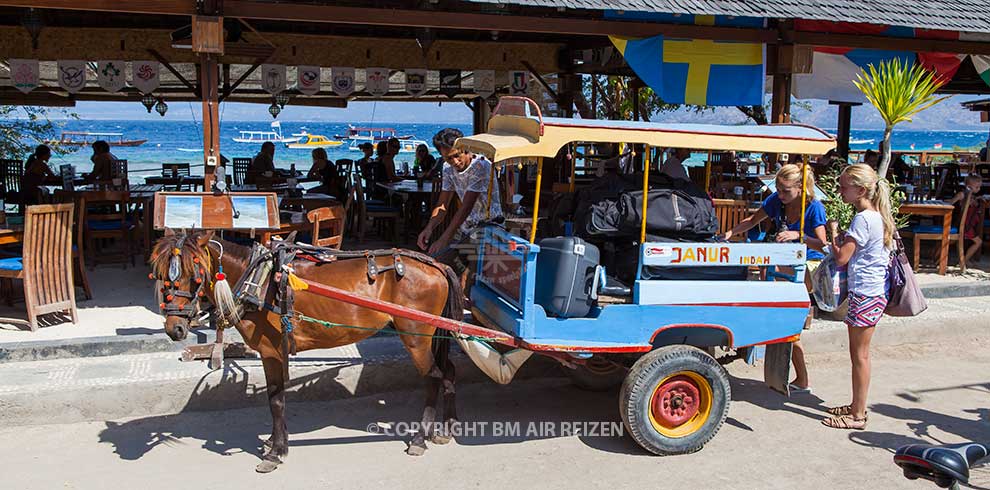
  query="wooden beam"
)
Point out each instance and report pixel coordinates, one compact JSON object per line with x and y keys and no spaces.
{"x":209,"y":85}
{"x":539,"y":78}
{"x":484,"y":22}
{"x":229,"y":90}
{"x":156,"y":7}
{"x":168,"y":66}
{"x":898,"y":43}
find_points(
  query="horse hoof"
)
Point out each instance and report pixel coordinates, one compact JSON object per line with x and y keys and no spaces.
{"x":416,"y":450}
{"x":267,"y":466}
{"x":440,"y":440}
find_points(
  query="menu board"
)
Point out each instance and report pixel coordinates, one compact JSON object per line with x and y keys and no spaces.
{"x":203,"y":210}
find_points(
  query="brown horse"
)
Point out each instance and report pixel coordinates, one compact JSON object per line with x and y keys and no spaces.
{"x":424,"y":285}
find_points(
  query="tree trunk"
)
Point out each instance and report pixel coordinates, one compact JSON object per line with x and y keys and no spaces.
{"x":885,"y":156}
{"x":755,"y":112}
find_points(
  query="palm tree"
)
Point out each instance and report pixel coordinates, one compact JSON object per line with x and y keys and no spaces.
{"x":899,"y":91}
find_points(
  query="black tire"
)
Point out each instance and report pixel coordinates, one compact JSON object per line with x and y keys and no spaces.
{"x":598,"y":374}
{"x":676,"y":366}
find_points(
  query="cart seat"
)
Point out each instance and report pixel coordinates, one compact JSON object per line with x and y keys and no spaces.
{"x":940,"y":463}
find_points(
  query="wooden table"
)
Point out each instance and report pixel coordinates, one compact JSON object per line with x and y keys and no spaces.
{"x":308,"y":201}
{"x":297,"y":221}
{"x":936,"y":209}
{"x":416,"y":197}
{"x":408,"y":187}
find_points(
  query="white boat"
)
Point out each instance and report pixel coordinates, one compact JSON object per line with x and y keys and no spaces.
{"x":860,"y":142}
{"x":275,"y":136}
{"x":405,"y":146}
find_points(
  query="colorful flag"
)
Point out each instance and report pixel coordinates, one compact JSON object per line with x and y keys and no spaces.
{"x":72,"y":75}
{"x":24,"y":74}
{"x":982,"y":64}
{"x":111,"y":75}
{"x":342,"y":80}
{"x":308,"y":79}
{"x":376,"y":81}
{"x":144,"y":76}
{"x":697,"y":71}
{"x":273,"y":78}
{"x":416,"y":81}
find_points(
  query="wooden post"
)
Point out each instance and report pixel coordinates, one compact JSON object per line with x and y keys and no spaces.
{"x":209,"y":88}
{"x":843,"y":127}
{"x":480,"y":113}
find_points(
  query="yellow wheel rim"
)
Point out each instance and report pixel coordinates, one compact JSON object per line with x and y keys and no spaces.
{"x":680,"y":404}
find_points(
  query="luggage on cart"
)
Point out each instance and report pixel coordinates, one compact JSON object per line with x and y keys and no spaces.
{"x":566,"y":276}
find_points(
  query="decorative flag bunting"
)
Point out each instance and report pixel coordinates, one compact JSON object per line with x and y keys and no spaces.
{"x":697,"y":71}
{"x":376,"y":82}
{"x":982,"y":64}
{"x":111,"y":75}
{"x":342,"y":80}
{"x":308,"y":79}
{"x":273,"y":78}
{"x":450,"y":82}
{"x":24,"y":74}
{"x":72,"y":75}
{"x":144,"y":76}
{"x":518,"y":82}
{"x":416,"y":82}
{"x":484,"y":83}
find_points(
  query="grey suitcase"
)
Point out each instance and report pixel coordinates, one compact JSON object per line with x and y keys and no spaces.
{"x":565,"y":276}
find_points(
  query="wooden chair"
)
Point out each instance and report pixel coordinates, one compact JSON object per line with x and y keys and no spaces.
{"x":175,"y":170}
{"x":934,"y":233}
{"x":11,"y":172}
{"x":241,"y":166}
{"x":729,"y":213}
{"x":923,"y":179}
{"x":80,"y":279}
{"x":335,"y":217}
{"x":949,"y":178}
{"x":386,"y":218}
{"x":106,"y":217}
{"x":46,"y":266}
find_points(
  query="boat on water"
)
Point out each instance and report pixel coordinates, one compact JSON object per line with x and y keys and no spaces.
{"x":370,"y":134}
{"x":861,"y":142}
{"x":274,"y":135}
{"x":314,"y":141}
{"x":84,"y":138}
{"x":405,"y":146}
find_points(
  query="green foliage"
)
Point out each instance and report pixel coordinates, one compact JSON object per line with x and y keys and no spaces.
{"x":898,"y":91}
{"x":843,"y":213}
{"x":24,"y":127}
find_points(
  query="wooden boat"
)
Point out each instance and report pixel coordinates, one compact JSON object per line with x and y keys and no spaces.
{"x":275,"y":136}
{"x":84,"y":138}
{"x":314,"y":141}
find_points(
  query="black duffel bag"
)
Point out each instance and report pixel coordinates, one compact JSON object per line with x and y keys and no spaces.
{"x":670,"y":211}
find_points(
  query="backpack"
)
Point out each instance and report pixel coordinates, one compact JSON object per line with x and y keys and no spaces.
{"x":676,"y":209}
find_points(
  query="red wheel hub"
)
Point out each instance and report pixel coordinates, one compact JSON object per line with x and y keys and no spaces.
{"x":676,"y":401}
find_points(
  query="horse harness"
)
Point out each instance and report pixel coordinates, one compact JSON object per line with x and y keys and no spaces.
{"x":170,"y":291}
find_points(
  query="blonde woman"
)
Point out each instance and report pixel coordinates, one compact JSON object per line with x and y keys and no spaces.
{"x":784,"y":208}
{"x":865,"y":247}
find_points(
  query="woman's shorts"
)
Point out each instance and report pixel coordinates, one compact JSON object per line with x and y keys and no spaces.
{"x":865,"y":311}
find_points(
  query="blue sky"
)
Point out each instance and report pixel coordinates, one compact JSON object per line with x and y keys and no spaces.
{"x":394,"y":112}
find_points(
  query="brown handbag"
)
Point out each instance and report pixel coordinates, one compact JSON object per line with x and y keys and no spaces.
{"x":904,"y":297}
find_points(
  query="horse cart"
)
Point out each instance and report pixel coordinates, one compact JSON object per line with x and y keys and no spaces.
{"x":658,"y":337}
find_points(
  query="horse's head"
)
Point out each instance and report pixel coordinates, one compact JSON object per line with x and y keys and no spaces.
{"x":183,"y":267}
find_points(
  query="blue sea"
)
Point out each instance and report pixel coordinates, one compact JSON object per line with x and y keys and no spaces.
{"x":177,"y":141}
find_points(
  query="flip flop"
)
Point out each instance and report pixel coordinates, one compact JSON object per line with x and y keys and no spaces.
{"x":845,"y":422}
{"x":797,"y":390}
{"x":842,"y":410}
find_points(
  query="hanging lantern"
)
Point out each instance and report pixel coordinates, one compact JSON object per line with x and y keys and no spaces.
{"x":148,"y":101}
{"x":33,"y":23}
{"x":161,"y":107}
{"x":274,"y":109}
{"x":282,"y":98}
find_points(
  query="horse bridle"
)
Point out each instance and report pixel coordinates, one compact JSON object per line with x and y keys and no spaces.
{"x":171,"y":292}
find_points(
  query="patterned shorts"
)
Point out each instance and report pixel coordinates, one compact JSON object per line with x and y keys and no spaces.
{"x":865,"y":311}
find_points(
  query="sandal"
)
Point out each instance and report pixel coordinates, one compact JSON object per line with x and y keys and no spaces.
{"x":843,"y":410}
{"x":845,"y":422}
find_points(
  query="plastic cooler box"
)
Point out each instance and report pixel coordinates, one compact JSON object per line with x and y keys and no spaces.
{"x":565,"y":274}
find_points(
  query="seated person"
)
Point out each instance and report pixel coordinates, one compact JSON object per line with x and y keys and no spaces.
{"x":784,"y":208}
{"x":262,"y":168}
{"x":674,"y":166}
{"x":327,"y":172}
{"x":900,"y":170}
{"x":36,"y":172}
{"x":983,"y":152}
{"x":102,"y":163}
{"x":429,"y":167}
{"x":377,"y":171}
{"x":974,"y":183}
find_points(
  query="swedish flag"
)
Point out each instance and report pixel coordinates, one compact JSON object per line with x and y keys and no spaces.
{"x":697,"y":71}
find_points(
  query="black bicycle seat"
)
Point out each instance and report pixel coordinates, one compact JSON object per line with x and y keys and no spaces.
{"x":940,"y":464}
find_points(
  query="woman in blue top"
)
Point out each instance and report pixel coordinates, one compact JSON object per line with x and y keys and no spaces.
{"x":784,"y":208}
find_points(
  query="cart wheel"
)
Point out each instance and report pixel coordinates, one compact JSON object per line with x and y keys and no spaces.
{"x":674,"y":400}
{"x":597,"y":374}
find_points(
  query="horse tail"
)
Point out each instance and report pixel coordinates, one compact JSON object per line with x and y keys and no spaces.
{"x":454,"y":310}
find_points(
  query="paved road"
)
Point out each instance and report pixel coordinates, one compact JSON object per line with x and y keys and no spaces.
{"x":921,"y":393}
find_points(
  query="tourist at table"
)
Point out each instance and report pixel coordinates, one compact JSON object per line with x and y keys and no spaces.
{"x":974,"y":184}
{"x":263,"y":165}
{"x":328,"y":174}
{"x":428,"y":166}
{"x":36,"y":172}
{"x":102,"y":163}
{"x":467,"y":176}
{"x":899,"y":169}
{"x":983,"y":152}
{"x":674,"y":166}
{"x":784,"y":208}
{"x":865,"y":248}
